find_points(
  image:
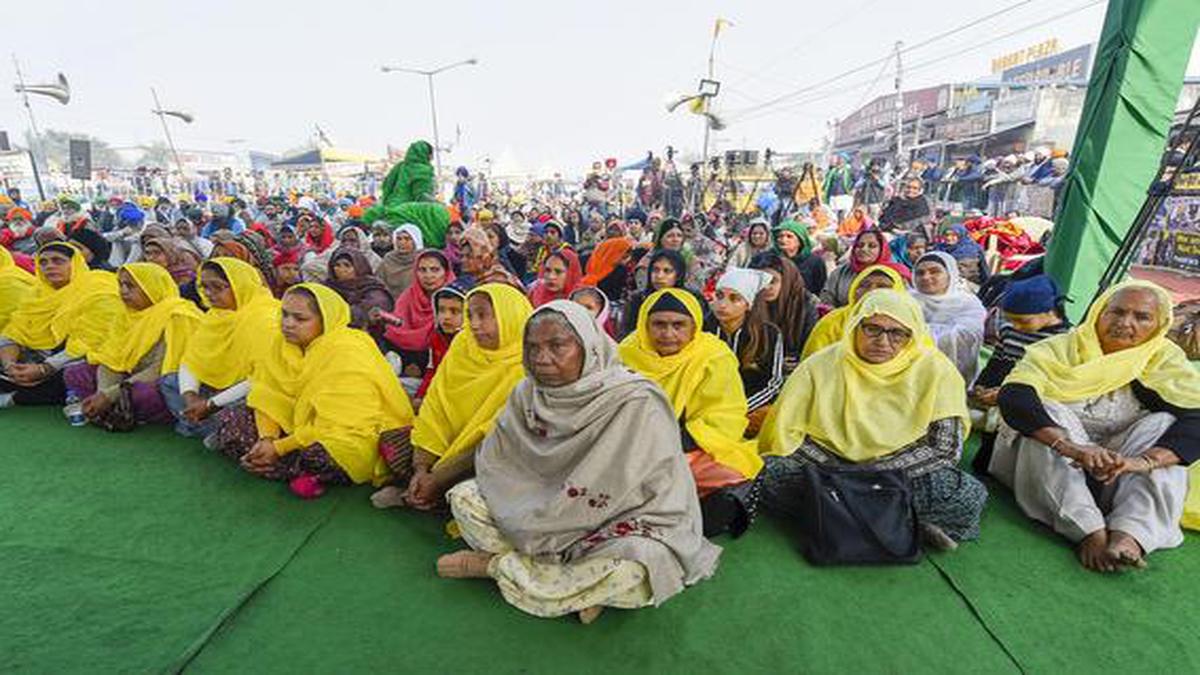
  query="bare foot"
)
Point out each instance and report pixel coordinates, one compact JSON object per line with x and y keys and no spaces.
{"x":387,"y":497}
{"x":1124,"y":551}
{"x":586,"y":616}
{"x":465,"y":564}
{"x":936,"y":538}
{"x":1093,"y":552}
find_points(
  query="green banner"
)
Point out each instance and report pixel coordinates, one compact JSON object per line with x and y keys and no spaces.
{"x":1138,"y":73}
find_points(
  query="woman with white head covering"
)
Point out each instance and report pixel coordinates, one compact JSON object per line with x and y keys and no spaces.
{"x":743,"y":323}
{"x":955,"y":316}
{"x":582,"y":497}
{"x":399,"y":264}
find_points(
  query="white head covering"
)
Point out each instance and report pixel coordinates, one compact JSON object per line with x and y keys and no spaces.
{"x":412,"y":231}
{"x":518,"y":231}
{"x":956,"y":318}
{"x":748,"y":283}
{"x":610,"y":432}
{"x":308,"y":204}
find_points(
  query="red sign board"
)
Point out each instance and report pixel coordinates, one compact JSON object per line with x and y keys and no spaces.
{"x":881,"y":113}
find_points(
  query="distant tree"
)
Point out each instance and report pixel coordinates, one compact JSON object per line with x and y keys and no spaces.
{"x":55,"y":144}
{"x":156,"y":155}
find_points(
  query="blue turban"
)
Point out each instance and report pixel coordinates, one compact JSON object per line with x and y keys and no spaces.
{"x":129,"y":213}
{"x":1034,"y":295}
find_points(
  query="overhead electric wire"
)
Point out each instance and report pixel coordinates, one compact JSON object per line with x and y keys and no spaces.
{"x":940,"y":36}
{"x":757,"y":113}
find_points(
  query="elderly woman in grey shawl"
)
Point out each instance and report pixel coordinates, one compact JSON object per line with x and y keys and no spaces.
{"x":582,"y":498}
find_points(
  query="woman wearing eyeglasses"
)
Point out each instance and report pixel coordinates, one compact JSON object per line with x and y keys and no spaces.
{"x":884,"y":398}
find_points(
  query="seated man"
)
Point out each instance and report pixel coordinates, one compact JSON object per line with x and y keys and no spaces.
{"x":1097,"y":425}
{"x":699,"y":374}
{"x":320,"y":397}
{"x":1032,"y":312}
{"x":884,"y":398}
{"x":547,"y":516}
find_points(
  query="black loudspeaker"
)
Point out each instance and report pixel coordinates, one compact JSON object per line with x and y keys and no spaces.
{"x":81,"y":159}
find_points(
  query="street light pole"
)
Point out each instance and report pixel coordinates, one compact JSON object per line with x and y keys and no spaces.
{"x":158,"y":110}
{"x":437,"y":142}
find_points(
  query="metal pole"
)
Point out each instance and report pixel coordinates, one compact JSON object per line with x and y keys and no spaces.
{"x":33,"y":128}
{"x":437,"y":143}
{"x":158,"y":110}
{"x":900,"y":163}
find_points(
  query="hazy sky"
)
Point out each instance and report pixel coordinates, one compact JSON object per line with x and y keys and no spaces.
{"x":558,"y":84}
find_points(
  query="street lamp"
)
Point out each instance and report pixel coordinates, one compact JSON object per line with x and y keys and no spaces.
{"x":59,"y":91}
{"x":187,"y":118}
{"x":437,"y":144}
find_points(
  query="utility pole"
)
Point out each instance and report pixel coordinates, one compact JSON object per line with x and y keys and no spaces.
{"x":158,"y":110}
{"x":901,"y":165}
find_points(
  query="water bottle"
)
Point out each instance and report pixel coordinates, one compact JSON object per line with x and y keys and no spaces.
{"x":74,"y":409}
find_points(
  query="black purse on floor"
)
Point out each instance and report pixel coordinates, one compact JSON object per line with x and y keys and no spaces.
{"x":856,"y":517}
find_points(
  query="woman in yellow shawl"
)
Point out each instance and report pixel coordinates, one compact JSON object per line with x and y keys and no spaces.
{"x":15,"y":285}
{"x":467,"y":394}
{"x":699,"y":374}
{"x":1098,"y":425}
{"x":68,"y":315}
{"x":320,"y":397}
{"x":149,"y":341}
{"x":883,"y":398}
{"x":832,"y":327}
{"x":232,"y":335}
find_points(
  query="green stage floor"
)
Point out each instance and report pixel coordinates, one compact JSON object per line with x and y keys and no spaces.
{"x":144,"y":553}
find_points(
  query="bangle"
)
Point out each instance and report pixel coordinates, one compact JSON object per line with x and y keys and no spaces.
{"x":1054,"y":445}
{"x":1151,"y":463}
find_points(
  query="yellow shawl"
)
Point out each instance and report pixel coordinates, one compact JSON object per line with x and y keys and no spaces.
{"x":339,"y":391}
{"x":830,"y":329}
{"x":224,"y":347}
{"x":81,"y":314}
{"x":171,"y":319}
{"x":702,"y":383}
{"x":471,"y":385}
{"x":864,"y":411}
{"x":1072,"y":367}
{"x":15,"y":286}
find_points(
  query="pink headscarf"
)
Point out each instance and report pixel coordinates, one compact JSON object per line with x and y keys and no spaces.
{"x":540,"y":295}
{"x":415,"y":308}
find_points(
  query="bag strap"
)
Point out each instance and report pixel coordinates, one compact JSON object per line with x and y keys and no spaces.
{"x":865,"y":523}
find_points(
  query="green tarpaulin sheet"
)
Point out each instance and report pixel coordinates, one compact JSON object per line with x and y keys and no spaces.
{"x":1140,"y":62}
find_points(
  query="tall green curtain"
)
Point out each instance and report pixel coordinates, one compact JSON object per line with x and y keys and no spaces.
{"x":1138,"y":73}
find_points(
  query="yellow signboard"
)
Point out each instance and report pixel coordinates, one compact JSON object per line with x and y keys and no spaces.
{"x":1033,"y":53}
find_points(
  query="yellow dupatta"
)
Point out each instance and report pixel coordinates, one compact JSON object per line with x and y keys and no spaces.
{"x":471,"y":385}
{"x":1072,"y":367}
{"x":170,"y":318}
{"x":15,"y":286}
{"x":863,"y":411}
{"x":339,"y":391}
{"x":830,"y":329}
{"x":702,"y":383}
{"x":227,"y":342}
{"x":80,"y":315}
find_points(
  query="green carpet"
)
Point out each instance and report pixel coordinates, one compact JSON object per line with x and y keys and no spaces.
{"x":142,"y":552}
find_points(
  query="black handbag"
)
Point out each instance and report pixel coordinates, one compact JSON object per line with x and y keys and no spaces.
{"x":857,"y":517}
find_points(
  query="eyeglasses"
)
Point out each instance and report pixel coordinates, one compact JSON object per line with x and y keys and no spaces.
{"x":896,"y":336}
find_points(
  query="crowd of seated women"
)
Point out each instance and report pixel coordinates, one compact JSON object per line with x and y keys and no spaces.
{"x":592,"y":417}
